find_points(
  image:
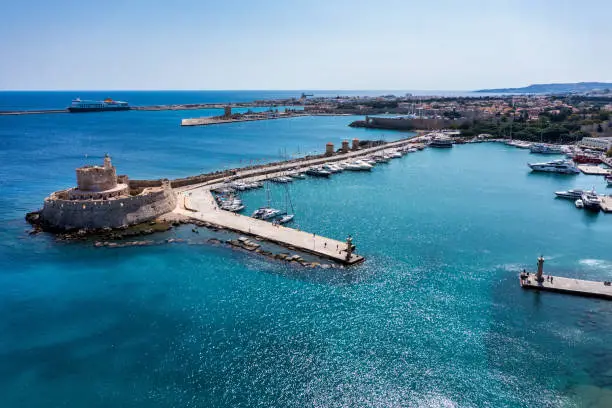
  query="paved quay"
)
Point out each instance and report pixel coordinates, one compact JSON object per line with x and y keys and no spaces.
{"x":569,"y":286}
{"x":593,"y":170}
{"x":606,"y":203}
{"x":200,"y":204}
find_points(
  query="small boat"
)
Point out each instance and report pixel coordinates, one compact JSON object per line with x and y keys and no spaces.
{"x":358,"y":165}
{"x":317,"y":172}
{"x":395,"y":155}
{"x":570,"y":194}
{"x":556,"y":166}
{"x":286,"y":218}
{"x":298,"y":175}
{"x":332,"y":168}
{"x":608,"y":179}
{"x":270,"y":213}
{"x":281,"y":179}
{"x":441,"y":142}
{"x":579,"y":203}
{"x":591,"y":201}
{"x":381,"y":159}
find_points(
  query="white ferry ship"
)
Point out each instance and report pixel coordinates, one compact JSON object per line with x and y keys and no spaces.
{"x":108,"y":104}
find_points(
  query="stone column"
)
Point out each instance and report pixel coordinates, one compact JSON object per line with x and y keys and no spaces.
{"x":539,"y":276}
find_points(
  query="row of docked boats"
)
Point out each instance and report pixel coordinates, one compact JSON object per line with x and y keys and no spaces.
{"x":227,"y":195}
{"x":587,"y":199}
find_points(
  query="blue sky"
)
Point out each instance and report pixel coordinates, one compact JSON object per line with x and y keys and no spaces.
{"x":310,"y":44}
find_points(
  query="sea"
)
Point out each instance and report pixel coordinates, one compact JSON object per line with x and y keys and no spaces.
{"x":434,"y":317}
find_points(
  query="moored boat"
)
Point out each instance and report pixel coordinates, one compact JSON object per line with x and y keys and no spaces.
{"x":555,"y":166}
{"x":317,"y":172}
{"x":570,"y":194}
{"x":591,"y":201}
{"x":441,"y":142}
{"x":545,"y":149}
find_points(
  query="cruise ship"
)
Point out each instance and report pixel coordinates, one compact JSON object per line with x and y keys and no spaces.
{"x":555,"y":166}
{"x":108,"y":104}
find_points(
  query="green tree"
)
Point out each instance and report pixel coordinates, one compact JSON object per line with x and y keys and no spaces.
{"x":599,"y":128}
{"x":609,"y":152}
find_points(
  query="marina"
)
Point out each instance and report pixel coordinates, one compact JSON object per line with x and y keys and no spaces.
{"x":198,"y":202}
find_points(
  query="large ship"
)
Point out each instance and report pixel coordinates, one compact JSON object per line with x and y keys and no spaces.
{"x":555,"y":166}
{"x":108,"y":104}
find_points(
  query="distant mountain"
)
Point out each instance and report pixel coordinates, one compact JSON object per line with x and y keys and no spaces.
{"x":576,"y":87}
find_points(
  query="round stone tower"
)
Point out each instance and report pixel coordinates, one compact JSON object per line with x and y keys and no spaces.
{"x":97,"y":178}
{"x":329,"y":149}
{"x":345,"y":146}
{"x":355,"y":145}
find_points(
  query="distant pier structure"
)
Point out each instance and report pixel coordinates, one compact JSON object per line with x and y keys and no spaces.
{"x":578,"y":287}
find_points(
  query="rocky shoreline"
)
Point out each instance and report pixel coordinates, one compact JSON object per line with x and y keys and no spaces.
{"x":124,"y":238}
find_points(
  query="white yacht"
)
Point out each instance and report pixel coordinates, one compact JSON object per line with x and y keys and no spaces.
{"x":359,"y":165}
{"x":555,"y":166}
{"x":570,"y":194}
{"x":591,"y":200}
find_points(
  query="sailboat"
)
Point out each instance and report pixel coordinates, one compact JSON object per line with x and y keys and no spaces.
{"x":265,"y":213}
{"x":288,"y":217}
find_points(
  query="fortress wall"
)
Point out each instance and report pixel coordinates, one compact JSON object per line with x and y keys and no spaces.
{"x":202,"y":178}
{"x":66,"y":214}
{"x":136,"y":184}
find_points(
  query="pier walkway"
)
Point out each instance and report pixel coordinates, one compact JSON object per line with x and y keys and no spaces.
{"x":569,"y":286}
{"x":200,"y":204}
{"x":593,"y":170}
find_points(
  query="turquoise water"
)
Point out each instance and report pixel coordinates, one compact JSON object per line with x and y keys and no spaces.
{"x":434,"y":317}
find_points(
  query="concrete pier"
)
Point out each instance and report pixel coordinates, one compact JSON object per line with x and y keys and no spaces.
{"x":217,"y":120}
{"x":593,"y":170}
{"x":606,"y":203}
{"x":201,"y":205}
{"x":569,"y":286}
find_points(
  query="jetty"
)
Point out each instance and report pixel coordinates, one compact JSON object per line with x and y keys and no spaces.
{"x":570,"y":286}
{"x":241,"y":117}
{"x":196,"y":201}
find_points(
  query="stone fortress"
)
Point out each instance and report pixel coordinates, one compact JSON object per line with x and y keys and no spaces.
{"x":104,"y":200}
